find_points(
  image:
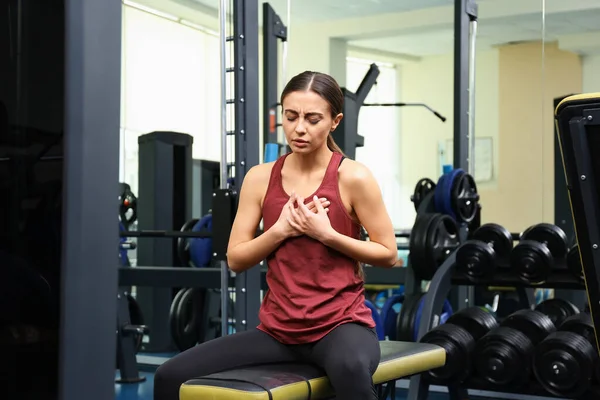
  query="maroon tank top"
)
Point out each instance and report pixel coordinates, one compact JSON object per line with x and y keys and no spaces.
{"x":312,"y":288}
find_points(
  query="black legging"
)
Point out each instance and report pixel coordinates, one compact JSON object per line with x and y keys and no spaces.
{"x":349,"y":355}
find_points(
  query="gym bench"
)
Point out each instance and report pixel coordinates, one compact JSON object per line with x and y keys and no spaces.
{"x":305,"y":382}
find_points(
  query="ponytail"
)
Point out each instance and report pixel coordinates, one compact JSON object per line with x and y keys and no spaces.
{"x":333,"y":146}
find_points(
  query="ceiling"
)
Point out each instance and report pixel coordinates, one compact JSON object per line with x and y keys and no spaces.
{"x":426,"y":39}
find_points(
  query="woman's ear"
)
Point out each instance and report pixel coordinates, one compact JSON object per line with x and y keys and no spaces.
{"x":336,"y":121}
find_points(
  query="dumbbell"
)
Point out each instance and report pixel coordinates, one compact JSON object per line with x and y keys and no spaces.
{"x":504,"y":356}
{"x":566,"y":362}
{"x":458,"y":337}
{"x":574,"y":262}
{"x":533,"y":257}
{"x":557,"y":309}
{"x":489,"y":246}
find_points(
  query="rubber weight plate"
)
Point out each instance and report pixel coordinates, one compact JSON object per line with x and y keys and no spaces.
{"x":423,"y":188}
{"x":489,"y":245}
{"x":532,"y":261}
{"x":459,"y":345}
{"x":447,"y":200}
{"x":475,"y":320}
{"x":186,"y":318}
{"x":417,"y":243}
{"x":557,"y":309}
{"x":173,"y":322}
{"x":183,"y":244}
{"x":438,"y":194}
{"x":564,"y":364}
{"x":406,"y":318}
{"x":376,"y":319}
{"x":389,"y":315}
{"x":464,"y":198}
{"x":535,"y":325}
{"x":503,"y":357}
{"x":201,"y":252}
{"x":574,"y":262}
{"x":551,"y":235}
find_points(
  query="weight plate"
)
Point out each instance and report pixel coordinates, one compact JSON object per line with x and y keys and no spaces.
{"x":564,"y":364}
{"x":406,"y":318}
{"x":173,"y":318}
{"x":464,"y":198}
{"x":532,"y":261}
{"x":442,"y":239}
{"x":551,"y":235}
{"x":459,"y":345}
{"x":503,"y":357}
{"x":418,"y":243}
{"x":389,"y":315}
{"x":582,"y":325}
{"x":475,"y":320}
{"x":423,"y":188}
{"x":498,"y":237}
{"x":447,"y":199}
{"x":186,"y":318}
{"x":476,"y":259}
{"x":557,"y":309}
{"x":535,"y":325}
{"x":183,"y":244}
{"x":574,"y":262}
{"x":438,"y":194}
{"x":376,"y":319}
{"x":201,"y":252}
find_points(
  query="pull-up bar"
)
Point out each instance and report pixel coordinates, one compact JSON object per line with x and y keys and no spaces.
{"x":437,"y":114}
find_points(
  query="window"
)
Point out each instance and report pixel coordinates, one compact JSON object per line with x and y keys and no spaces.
{"x":381,"y":129}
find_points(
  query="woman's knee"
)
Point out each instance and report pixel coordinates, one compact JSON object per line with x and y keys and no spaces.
{"x":357,"y":370}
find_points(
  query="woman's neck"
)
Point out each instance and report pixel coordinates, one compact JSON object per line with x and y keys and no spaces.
{"x":316,"y":160}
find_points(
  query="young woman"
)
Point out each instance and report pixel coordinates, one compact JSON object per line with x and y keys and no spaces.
{"x":313,"y":202}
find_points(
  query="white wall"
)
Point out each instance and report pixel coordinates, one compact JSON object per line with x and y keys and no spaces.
{"x":431,"y":81}
{"x":591,"y":74}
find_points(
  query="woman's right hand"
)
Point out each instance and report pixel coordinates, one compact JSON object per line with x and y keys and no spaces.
{"x":286,"y":230}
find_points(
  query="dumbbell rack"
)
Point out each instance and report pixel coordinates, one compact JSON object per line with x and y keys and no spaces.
{"x":440,"y":285}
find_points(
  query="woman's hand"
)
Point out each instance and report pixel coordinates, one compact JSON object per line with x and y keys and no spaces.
{"x":303,"y":220}
{"x":283,"y":223}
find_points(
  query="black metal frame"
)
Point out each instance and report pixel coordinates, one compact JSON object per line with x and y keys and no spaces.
{"x":578,"y":125}
{"x":346,"y":134}
{"x":91,"y":175}
{"x":247,"y":141}
{"x":273,"y":31}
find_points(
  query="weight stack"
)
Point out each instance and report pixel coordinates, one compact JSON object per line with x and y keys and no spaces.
{"x":164,"y":203}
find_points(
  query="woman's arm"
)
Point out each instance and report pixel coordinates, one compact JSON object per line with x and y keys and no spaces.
{"x":244,"y":249}
{"x":366,"y":200}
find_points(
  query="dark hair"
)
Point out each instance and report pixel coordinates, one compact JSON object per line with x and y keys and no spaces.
{"x":326,"y":87}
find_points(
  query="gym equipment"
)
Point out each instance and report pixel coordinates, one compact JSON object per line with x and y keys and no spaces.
{"x":489,"y":246}
{"x":456,"y":195}
{"x":136,"y":317}
{"x":504,"y":355}
{"x":574,"y":262}
{"x":184,"y":317}
{"x":458,"y":337}
{"x":557,"y":310}
{"x":305,"y":381}
{"x":130,"y":334}
{"x":183,"y":244}
{"x":423,"y":187}
{"x":201,"y":252}
{"x":567,"y":360}
{"x":127,"y":205}
{"x":533,"y":257}
{"x":433,"y":238}
{"x":377,"y":319}
{"x":407,"y":323}
{"x":389,"y":315}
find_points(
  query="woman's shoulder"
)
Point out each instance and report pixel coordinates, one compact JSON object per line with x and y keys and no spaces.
{"x":354,"y":173}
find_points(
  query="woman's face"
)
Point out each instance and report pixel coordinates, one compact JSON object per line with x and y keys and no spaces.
{"x":307,"y":121}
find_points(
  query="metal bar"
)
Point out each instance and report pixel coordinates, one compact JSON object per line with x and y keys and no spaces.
{"x":224,"y":165}
{"x":366,"y":84}
{"x":247,"y":153}
{"x":472,"y":52}
{"x":91,"y":170}
{"x":165,"y":234}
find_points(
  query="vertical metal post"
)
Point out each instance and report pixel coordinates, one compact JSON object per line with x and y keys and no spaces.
{"x":91,"y":172}
{"x":224,"y":163}
{"x":273,"y":29}
{"x":247,"y":140}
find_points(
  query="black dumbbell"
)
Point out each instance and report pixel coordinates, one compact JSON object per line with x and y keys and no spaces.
{"x":539,"y":246}
{"x":458,"y":337}
{"x":566,"y":362}
{"x":574,"y":262}
{"x":489,"y":246}
{"x":503,"y":357}
{"x":557,"y":309}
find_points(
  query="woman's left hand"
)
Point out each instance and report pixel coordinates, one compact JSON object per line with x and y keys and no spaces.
{"x":313,"y":224}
